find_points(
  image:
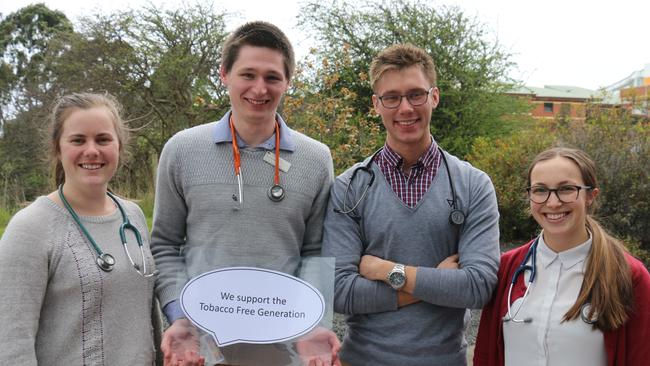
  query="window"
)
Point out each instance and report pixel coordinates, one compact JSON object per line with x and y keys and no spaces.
{"x":548,"y":107}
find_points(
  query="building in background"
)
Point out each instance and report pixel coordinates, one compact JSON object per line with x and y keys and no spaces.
{"x":562,"y":102}
{"x":565,"y":102}
{"x":634,"y":91}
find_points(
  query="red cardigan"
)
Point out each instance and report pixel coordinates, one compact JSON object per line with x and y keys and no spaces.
{"x":626,"y":346}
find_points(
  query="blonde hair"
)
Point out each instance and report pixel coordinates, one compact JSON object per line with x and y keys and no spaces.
{"x":67,"y":104}
{"x":399,"y":57}
{"x":607,"y":283}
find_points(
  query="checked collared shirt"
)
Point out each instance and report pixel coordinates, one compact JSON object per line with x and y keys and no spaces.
{"x":411,"y":187}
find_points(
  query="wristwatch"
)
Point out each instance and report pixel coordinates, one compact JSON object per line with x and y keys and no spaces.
{"x":397,"y":276}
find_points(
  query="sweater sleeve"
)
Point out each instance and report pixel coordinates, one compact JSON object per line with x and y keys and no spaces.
{"x":478,"y":247}
{"x":169,"y":225}
{"x":313,"y":237}
{"x":24,"y":264}
{"x":343,"y":240}
{"x":638,"y":325}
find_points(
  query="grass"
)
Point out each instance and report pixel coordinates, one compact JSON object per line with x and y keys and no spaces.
{"x":5,"y":215}
{"x":146,"y":204}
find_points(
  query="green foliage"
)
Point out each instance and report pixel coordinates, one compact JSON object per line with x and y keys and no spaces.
{"x":24,"y":38}
{"x":620,"y":146}
{"x":161,"y":64}
{"x":634,"y":247}
{"x":5,"y":216}
{"x":506,"y":161}
{"x":472,"y":70}
{"x":329,"y":114}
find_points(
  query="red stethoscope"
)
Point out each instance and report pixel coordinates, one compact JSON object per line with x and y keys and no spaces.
{"x":275,"y":192}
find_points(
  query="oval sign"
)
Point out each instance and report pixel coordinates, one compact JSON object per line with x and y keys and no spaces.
{"x":252,"y":305}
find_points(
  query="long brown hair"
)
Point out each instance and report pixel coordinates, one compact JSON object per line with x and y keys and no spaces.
{"x":607,"y":283}
{"x":67,"y":104}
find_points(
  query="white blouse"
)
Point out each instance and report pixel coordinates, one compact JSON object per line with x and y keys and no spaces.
{"x":546,"y":340}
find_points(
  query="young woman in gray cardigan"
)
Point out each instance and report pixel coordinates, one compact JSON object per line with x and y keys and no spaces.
{"x":70,"y":293}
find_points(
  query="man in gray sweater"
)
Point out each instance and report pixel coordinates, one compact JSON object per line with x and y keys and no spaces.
{"x":414,"y":231}
{"x":244,"y":191}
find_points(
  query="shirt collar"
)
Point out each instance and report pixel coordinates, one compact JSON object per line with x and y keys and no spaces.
{"x":221,"y":133}
{"x":426,"y":159}
{"x":569,"y":258}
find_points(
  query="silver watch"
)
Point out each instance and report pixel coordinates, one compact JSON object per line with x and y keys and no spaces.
{"x":397,"y":277}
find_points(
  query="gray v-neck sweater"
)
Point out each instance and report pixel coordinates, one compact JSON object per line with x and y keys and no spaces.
{"x":429,"y":332}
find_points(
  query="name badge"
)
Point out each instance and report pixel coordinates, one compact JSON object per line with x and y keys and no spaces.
{"x":269,"y":157}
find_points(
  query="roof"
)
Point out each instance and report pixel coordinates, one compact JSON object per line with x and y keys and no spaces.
{"x":565,"y":92}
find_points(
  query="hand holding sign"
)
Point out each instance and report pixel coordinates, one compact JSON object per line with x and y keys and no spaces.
{"x":319,"y":347}
{"x":180,"y":345}
{"x":252,"y":305}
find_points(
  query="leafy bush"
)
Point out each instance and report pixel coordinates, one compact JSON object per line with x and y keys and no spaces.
{"x":620,"y":146}
{"x":506,"y":161}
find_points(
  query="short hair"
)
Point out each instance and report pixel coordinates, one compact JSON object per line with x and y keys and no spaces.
{"x":64,"y":107}
{"x":399,"y":57}
{"x":258,"y":34}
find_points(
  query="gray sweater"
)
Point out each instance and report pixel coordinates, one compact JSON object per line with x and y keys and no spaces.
{"x":58,"y":307}
{"x":197,"y":226}
{"x":429,"y":332}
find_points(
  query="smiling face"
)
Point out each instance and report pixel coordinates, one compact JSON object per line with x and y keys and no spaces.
{"x":256,"y":83}
{"x":89,"y":148}
{"x":407,"y":126}
{"x":564,"y":224}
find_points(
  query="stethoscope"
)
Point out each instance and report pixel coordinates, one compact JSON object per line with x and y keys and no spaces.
{"x":105,"y":261}
{"x":456,"y":217}
{"x":531,"y":255}
{"x":275,"y":192}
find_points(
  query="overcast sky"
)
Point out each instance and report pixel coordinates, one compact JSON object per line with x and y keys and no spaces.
{"x":586,"y":43}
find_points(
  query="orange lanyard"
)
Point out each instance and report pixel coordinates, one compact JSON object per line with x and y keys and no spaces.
{"x":237,"y":156}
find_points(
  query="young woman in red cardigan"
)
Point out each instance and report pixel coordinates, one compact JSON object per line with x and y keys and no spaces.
{"x":574,"y":295}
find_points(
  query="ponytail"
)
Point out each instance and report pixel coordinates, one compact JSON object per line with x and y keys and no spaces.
{"x":607,"y":283}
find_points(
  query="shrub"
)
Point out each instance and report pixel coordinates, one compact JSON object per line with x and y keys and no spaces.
{"x":506,"y":161}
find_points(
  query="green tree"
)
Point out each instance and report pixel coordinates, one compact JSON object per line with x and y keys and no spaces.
{"x":24,"y":38}
{"x":472,"y":69}
{"x":161,"y":64}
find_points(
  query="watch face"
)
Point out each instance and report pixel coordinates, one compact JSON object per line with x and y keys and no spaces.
{"x":396,"y":279}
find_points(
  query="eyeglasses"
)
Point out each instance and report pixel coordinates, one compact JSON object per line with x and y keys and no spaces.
{"x":566,"y":194}
{"x":416,"y":98}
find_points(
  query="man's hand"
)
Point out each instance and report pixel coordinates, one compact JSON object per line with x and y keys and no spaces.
{"x":450,"y":262}
{"x":180,"y":345}
{"x":320,"y":347}
{"x":374,"y":268}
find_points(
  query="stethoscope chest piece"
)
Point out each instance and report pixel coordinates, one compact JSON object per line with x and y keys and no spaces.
{"x":457,"y":217}
{"x":276,"y":193}
{"x":106,"y":262}
{"x":585,"y":309}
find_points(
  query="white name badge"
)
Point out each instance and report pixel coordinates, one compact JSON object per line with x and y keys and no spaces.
{"x":269,"y":157}
{"x":252,"y":305}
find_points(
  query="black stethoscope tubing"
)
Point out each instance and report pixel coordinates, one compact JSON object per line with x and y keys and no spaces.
{"x":456,"y":217}
{"x":105,"y":261}
{"x":531,"y":255}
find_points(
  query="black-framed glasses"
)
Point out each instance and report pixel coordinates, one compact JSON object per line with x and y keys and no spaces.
{"x":566,"y":194}
{"x":416,"y":98}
